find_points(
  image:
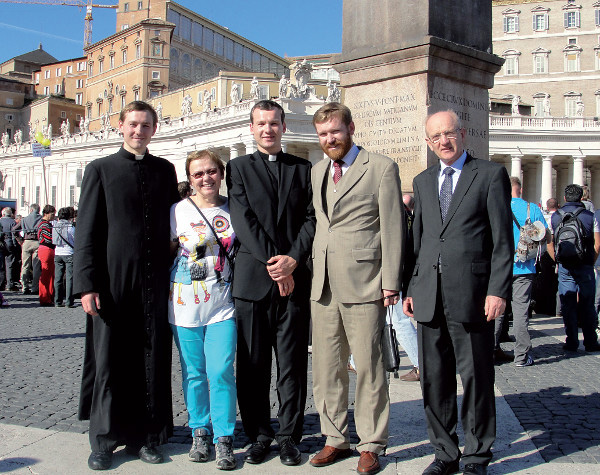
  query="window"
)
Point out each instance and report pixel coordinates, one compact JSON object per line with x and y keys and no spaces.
{"x":100,"y":66}
{"x":174,"y":17}
{"x":572,"y":41}
{"x":22,"y":196}
{"x":58,"y":72}
{"x":185,"y":31}
{"x":123,"y":102}
{"x":540,"y":22}
{"x":37,"y":194}
{"x":47,"y":90}
{"x":572,"y":58}
{"x":511,"y":20}
{"x":539,"y":64}
{"x":511,"y":63}
{"x":208,"y":38}
{"x":78,"y":117}
{"x":174,"y":66}
{"x":9,"y":102}
{"x":57,"y":88}
{"x":126,"y":7}
{"x":597,"y":16}
{"x":136,"y":95}
{"x":79,"y":83}
{"x":110,"y":107}
{"x":228,"y":46}
{"x":138,"y":51}
{"x":91,"y":69}
{"x":69,"y":69}
{"x":572,"y":19}
{"x":124,"y":26}
{"x":47,"y":74}
{"x":112,"y":61}
{"x":53,"y":194}
{"x":571,"y":99}
{"x":37,"y":78}
{"x":63,"y":114}
{"x":81,"y":66}
{"x":186,"y":66}
{"x":140,"y":5}
{"x":155,"y":74}
{"x":124,"y":56}
{"x":157,"y":49}
{"x":79,"y":98}
{"x":99,"y":109}
{"x":197,"y":34}
{"x":218,"y":49}
{"x":71,"y":195}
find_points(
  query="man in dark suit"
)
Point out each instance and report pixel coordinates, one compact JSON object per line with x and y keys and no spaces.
{"x":270,"y":198}
{"x":463,"y":244}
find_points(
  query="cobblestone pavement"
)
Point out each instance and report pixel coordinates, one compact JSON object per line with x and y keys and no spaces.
{"x":557,"y":400}
{"x":41,"y":357}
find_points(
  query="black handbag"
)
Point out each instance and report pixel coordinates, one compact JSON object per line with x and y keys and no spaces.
{"x":389,"y":346}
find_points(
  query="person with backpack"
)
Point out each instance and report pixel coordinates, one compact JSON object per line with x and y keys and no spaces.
{"x":527,"y":252}
{"x":576,"y":247}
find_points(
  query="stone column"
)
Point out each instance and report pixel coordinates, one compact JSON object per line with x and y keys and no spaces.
{"x":578,"y":170}
{"x":234,"y":151}
{"x":595,"y":185}
{"x":315,"y":155}
{"x":563,"y":178}
{"x":515,"y":166}
{"x":404,"y":60}
{"x":546,"y":179}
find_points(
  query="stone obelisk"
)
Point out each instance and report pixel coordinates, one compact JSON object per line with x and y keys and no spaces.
{"x":404,"y":59}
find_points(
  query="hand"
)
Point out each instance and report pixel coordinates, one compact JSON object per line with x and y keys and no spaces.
{"x":407,"y":306}
{"x":280,"y":267}
{"x":90,"y":301}
{"x":390,"y":297}
{"x":494,"y":307}
{"x":286,"y":285}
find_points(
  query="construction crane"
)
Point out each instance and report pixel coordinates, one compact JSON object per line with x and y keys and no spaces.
{"x":87,"y":36}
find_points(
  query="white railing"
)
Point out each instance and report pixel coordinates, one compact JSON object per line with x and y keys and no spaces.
{"x":548,"y":123}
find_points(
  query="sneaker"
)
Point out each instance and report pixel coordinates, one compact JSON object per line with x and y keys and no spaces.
{"x":224,"y":453}
{"x":200,"y":451}
{"x":527,"y":362}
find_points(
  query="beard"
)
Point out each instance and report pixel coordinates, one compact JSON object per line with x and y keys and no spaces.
{"x":342,"y":148}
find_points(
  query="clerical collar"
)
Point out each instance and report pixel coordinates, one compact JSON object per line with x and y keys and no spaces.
{"x":269,"y":157}
{"x":139,"y":157}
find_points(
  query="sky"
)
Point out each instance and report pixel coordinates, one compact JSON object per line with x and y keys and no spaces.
{"x":301,"y":27}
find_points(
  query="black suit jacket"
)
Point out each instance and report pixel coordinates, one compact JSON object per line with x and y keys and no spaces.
{"x":475,"y":242}
{"x":265,"y":230}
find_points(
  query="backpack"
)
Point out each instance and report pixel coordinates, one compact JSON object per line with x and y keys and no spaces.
{"x":570,"y":239}
{"x":530,"y":235}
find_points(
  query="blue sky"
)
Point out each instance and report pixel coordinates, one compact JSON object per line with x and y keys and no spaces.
{"x":296,"y":28}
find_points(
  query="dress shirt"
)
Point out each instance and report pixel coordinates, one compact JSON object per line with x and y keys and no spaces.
{"x":347,"y":160}
{"x":457,"y":165}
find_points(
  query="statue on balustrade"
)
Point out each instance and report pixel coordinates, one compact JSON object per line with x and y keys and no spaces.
{"x":283,"y":86}
{"x":235,"y":93}
{"x":254,"y":88}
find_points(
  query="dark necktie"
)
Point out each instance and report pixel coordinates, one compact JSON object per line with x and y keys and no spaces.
{"x":446,"y":192}
{"x":337,"y":170}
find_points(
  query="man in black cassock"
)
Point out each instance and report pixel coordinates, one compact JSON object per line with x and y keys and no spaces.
{"x":121,"y":267}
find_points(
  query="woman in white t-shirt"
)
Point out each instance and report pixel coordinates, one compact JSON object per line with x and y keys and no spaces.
{"x":201,"y":311}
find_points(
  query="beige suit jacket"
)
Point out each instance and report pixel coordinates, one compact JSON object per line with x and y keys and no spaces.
{"x":360,"y":246}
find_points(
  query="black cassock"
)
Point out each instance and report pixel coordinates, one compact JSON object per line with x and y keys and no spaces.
{"x":122,"y":252}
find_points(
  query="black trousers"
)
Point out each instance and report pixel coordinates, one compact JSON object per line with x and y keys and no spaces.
{"x":280,"y":325}
{"x":446,"y":346}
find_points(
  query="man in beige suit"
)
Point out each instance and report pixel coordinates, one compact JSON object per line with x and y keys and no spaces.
{"x":357,"y":254}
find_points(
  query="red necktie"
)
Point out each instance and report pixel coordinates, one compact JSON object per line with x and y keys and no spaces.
{"x":337,"y":170}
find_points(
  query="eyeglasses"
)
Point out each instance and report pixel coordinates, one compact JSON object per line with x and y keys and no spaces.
{"x":450,"y":135}
{"x":198,"y":175}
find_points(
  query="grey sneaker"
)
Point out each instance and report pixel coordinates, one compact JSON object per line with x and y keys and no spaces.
{"x":527,"y":362}
{"x":224,"y":453}
{"x":200,"y":451}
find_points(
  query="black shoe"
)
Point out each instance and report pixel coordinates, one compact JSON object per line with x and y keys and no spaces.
{"x":592,"y":348}
{"x":27,"y":292}
{"x":439,"y":467}
{"x":569,"y":347}
{"x":475,"y":469}
{"x":288,"y":452}
{"x":146,"y":454}
{"x":257,"y":452}
{"x":100,"y":460}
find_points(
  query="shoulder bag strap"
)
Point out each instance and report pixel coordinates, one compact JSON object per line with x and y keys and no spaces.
{"x":213,"y":231}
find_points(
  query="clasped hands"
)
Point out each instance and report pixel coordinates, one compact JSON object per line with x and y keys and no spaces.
{"x":280,"y":269}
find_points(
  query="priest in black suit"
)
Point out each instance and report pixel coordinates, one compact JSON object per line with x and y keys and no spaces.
{"x":270,"y":199}
{"x":463,"y":244}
